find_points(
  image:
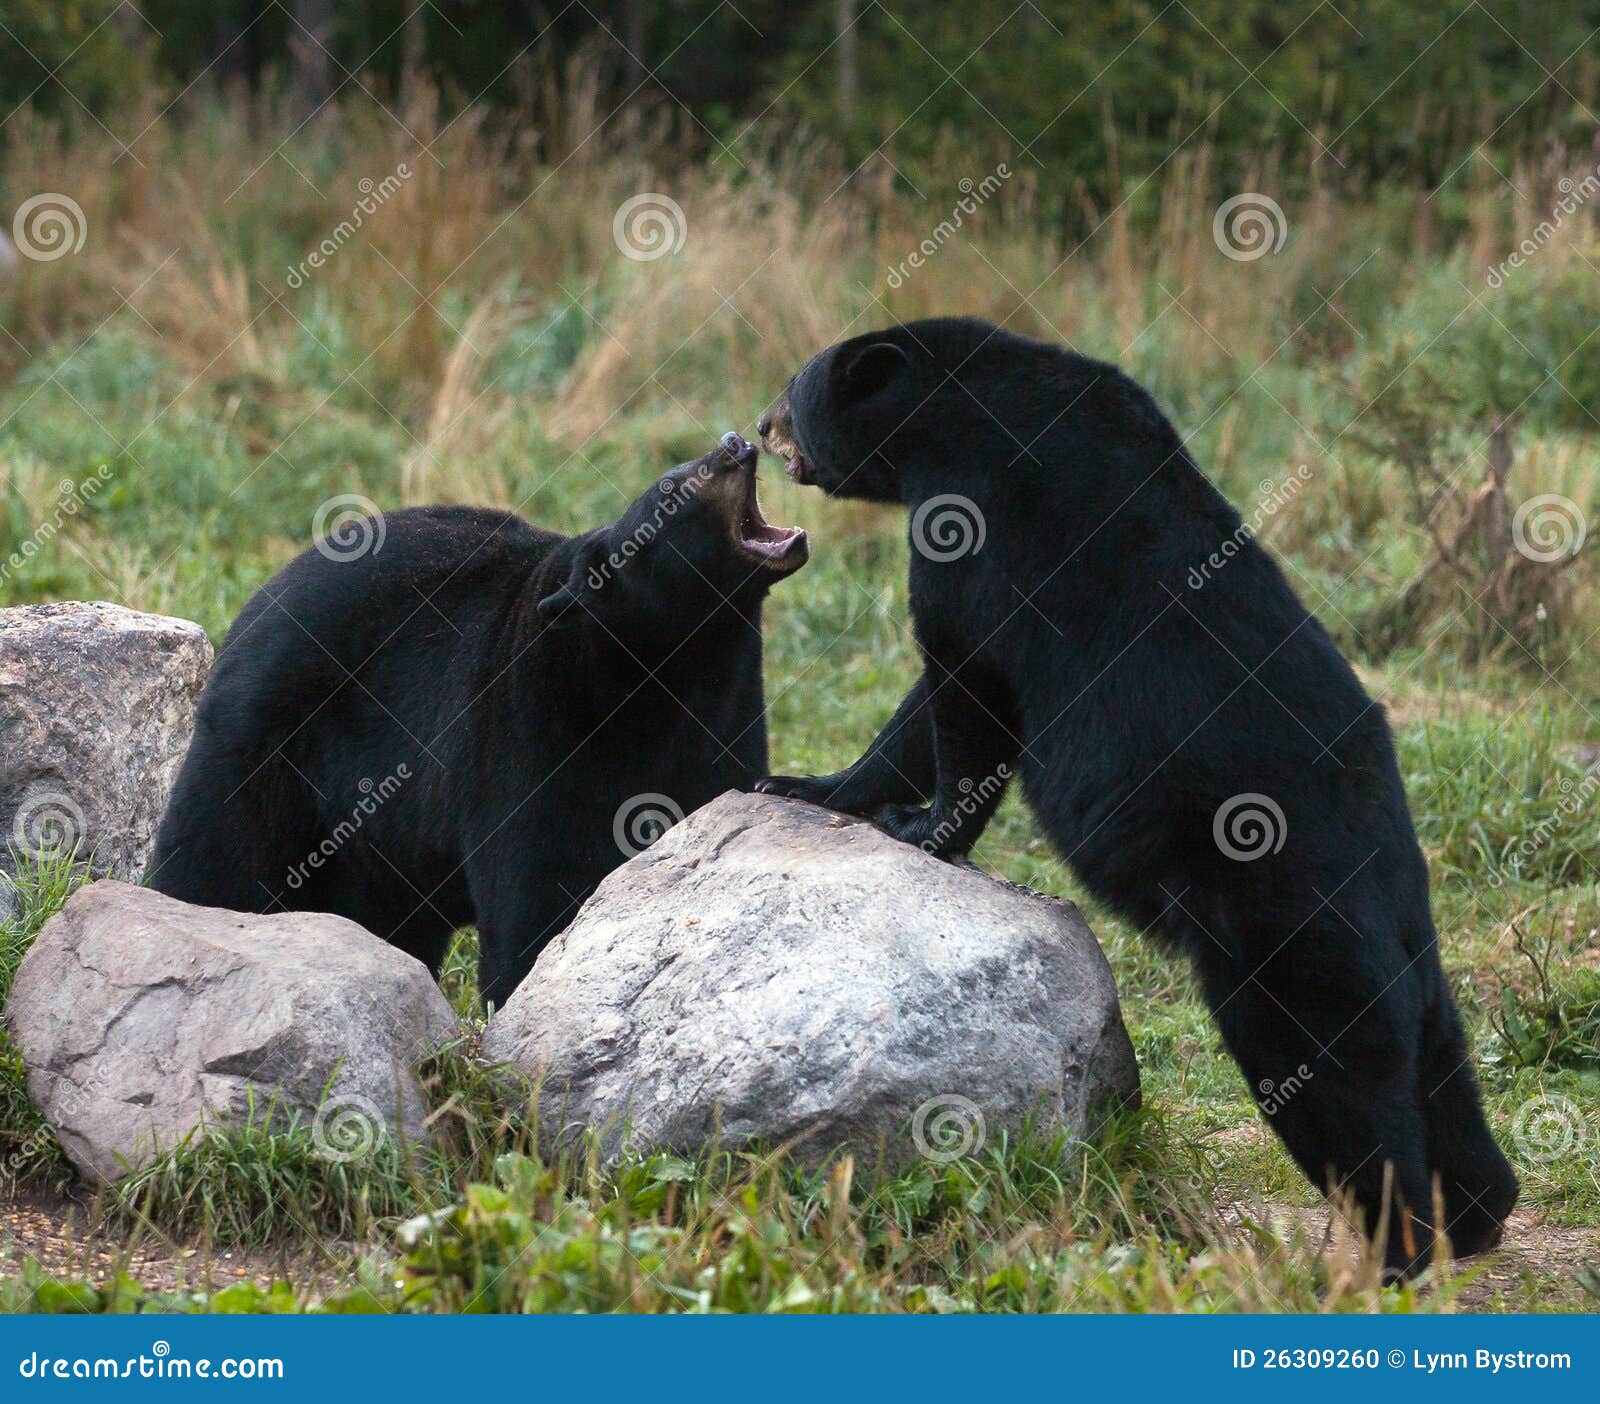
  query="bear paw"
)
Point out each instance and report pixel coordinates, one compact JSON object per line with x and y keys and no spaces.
{"x":820,"y":790}
{"x":910,"y":823}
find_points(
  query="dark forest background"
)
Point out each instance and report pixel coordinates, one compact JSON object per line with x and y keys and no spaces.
{"x":1361,"y":89}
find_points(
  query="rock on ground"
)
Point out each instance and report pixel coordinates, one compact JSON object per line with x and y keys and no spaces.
{"x":97,"y":706}
{"x":771,"y":971}
{"x":140,"y":1017}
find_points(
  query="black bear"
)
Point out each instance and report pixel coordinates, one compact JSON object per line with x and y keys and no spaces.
{"x":1092,"y":614}
{"x":445,"y":715}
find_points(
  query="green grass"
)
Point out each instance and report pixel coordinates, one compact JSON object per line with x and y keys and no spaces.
{"x":265,"y":1182}
{"x":222,"y":423}
{"x":30,"y":1155}
{"x":1015,"y":1233}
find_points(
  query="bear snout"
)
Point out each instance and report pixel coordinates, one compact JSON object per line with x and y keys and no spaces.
{"x":737,"y":450}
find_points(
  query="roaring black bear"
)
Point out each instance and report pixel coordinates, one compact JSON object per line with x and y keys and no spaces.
{"x":1092,"y":614}
{"x":445,"y":715}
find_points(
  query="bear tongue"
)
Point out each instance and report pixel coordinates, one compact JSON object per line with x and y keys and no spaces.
{"x":760,"y":537}
{"x":778,"y":545}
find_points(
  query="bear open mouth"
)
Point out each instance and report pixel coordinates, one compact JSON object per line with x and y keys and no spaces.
{"x":776,"y":547}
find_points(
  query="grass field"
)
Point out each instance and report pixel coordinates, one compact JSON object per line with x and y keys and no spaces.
{"x":482,"y":338}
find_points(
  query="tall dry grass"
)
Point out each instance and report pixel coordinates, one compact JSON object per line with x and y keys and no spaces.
{"x":198,"y":225}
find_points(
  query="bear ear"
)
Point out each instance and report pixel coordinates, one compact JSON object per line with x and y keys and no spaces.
{"x":566,"y":604}
{"x":556,"y":608}
{"x":871,"y":368}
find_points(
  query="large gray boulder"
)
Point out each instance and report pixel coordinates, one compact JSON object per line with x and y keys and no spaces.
{"x":140,"y":1018}
{"x":97,"y":706}
{"x":771,"y":971}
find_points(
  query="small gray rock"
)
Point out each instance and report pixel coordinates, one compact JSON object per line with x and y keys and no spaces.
{"x":140,"y":1017}
{"x":97,"y":706}
{"x":771,"y":971}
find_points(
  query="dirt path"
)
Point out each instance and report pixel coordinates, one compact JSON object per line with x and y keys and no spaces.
{"x":1535,"y":1268}
{"x":63,"y":1237}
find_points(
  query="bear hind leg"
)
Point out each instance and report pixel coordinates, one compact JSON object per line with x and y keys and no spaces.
{"x":234,"y":835}
{"x":1476,"y":1180}
{"x":1340,"y":1091}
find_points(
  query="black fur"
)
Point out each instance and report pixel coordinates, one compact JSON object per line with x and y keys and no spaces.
{"x":1122,"y":643}
{"x":450,"y":728}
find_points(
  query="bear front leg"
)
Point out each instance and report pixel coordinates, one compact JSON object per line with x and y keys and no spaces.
{"x":520,"y":907}
{"x":897,"y":768}
{"x":975,"y":751}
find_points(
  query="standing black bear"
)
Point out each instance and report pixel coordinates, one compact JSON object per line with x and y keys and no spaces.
{"x":477,"y":720}
{"x":1093,"y":614}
